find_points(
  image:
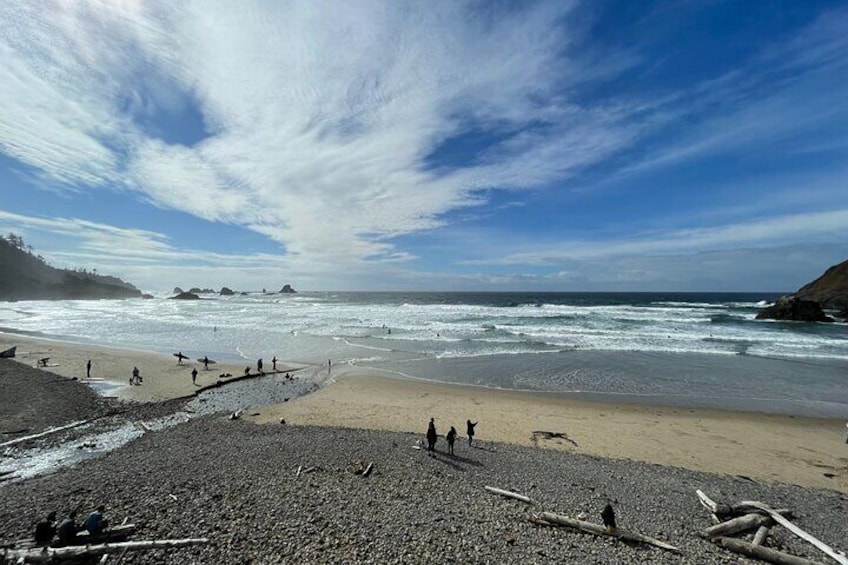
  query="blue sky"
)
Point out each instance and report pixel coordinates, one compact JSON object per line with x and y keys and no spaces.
{"x":429,"y":145}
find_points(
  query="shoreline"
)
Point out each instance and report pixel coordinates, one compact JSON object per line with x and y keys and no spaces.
{"x":772,"y":448}
{"x":805,"y":451}
{"x":163,"y":378}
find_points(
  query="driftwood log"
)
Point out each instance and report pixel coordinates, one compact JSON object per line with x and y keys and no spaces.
{"x":838,"y":556}
{"x":44,"y":433}
{"x":52,"y":554}
{"x":600,"y":530}
{"x":761,"y":535}
{"x":764,"y":553}
{"x":116,"y":533}
{"x":737,"y":525}
{"x":510,"y":494}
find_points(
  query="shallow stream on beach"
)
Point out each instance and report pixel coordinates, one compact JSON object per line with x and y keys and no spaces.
{"x":17,"y":462}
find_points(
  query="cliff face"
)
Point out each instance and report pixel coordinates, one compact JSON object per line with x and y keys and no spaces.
{"x":830,"y":290}
{"x":24,"y":276}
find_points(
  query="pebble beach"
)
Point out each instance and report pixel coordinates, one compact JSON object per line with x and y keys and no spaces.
{"x":236,"y":482}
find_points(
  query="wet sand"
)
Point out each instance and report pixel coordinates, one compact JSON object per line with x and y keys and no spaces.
{"x":809,"y":452}
{"x":111,"y":368}
{"x":772,"y":448}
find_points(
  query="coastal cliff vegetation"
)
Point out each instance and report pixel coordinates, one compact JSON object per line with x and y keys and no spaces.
{"x":27,"y":276}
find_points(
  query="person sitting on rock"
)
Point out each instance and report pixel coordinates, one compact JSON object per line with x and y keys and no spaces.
{"x":45,"y":530}
{"x":67,"y":530}
{"x":95,"y":523}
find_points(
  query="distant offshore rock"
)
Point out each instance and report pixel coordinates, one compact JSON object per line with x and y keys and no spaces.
{"x":794,"y":309}
{"x":177,"y":290}
{"x":185,"y":296}
{"x":226,"y":291}
{"x":147,"y":296}
{"x":287,"y":289}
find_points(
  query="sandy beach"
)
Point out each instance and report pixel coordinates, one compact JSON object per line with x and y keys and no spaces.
{"x":772,"y":448}
{"x":296,"y":493}
{"x":163,"y":378}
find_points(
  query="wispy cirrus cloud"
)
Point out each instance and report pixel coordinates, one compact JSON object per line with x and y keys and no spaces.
{"x":313,"y":114}
{"x":331,"y":130}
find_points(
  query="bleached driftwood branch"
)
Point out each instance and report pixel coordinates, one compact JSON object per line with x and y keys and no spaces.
{"x":764,"y":553}
{"x":510,"y":494}
{"x":737,"y":525}
{"x":837,"y":555}
{"x":761,"y":535}
{"x":599,"y":530}
{"x":50,"y":554}
{"x":44,"y":433}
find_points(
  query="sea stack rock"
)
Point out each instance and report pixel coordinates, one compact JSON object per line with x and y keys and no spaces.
{"x":177,"y":290}
{"x":226,"y":291}
{"x":794,"y":309}
{"x":830,"y":290}
{"x":185,"y":296}
{"x":287,"y":289}
{"x":195,"y":290}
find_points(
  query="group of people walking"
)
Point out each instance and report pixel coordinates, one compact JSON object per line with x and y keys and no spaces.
{"x":432,"y":436}
{"x":66,"y":531}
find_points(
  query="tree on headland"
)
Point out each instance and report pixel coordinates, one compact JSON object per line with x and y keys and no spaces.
{"x":27,"y":276}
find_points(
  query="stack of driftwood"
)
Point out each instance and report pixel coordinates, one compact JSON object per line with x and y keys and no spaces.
{"x":753,"y":516}
{"x":86,"y":547}
{"x":609,"y":529}
{"x":728,"y":520}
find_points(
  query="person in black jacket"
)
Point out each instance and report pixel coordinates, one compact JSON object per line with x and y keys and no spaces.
{"x":451,"y":437}
{"x":470,"y":431}
{"x":45,"y":530}
{"x":431,"y":436}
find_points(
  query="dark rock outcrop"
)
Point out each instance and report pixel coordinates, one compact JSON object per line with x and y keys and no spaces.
{"x":147,"y":296}
{"x":185,"y":296}
{"x":794,"y":309}
{"x":287,"y":289}
{"x":830,"y":290}
{"x":195,"y":290}
{"x":226,"y":291}
{"x":25,"y":276}
{"x":177,"y":290}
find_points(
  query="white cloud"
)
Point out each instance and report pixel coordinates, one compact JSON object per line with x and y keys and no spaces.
{"x":769,"y":232}
{"x":320,"y":117}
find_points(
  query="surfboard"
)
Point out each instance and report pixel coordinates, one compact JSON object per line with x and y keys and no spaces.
{"x":180,"y":356}
{"x":210,"y":361}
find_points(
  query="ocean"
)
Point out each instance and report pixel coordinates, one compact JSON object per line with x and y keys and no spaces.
{"x":683,"y":349}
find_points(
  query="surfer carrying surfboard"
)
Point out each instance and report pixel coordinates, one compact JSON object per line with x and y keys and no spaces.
{"x":180,"y":357}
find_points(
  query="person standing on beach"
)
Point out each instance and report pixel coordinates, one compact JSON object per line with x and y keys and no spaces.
{"x":451,"y":437}
{"x":194,"y":375}
{"x":88,"y":369}
{"x":205,"y":363}
{"x":136,"y":376}
{"x":470,"y":431}
{"x":259,"y":367}
{"x":274,"y":363}
{"x":431,"y":436}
